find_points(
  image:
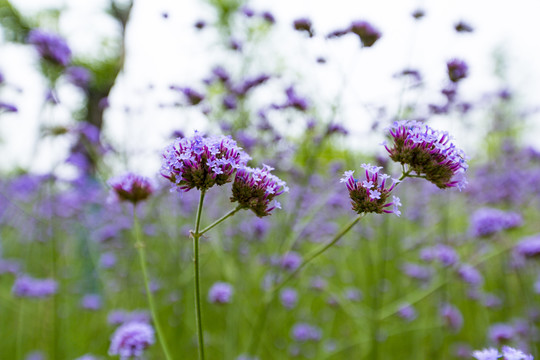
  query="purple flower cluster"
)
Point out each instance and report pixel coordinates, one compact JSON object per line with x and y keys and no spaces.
{"x":429,"y":153}
{"x":220,"y":293}
{"x":131,"y":339}
{"x":370,"y":195}
{"x":489,"y":221}
{"x":256,"y":188}
{"x":26,"y":286}
{"x":50,"y":46}
{"x":508,"y":353}
{"x":201,"y":162}
{"x":289,"y":298}
{"x":442,"y":253}
{"x":367,"y":33}
{"x":457,"y":70}
{"x":528,"y":247}
{"x":304,"y":24}
{"x":79,"y":76}
{"x":303,"y":332}
{"x":130,"y":187}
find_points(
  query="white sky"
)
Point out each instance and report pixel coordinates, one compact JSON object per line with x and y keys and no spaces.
{"x":163,"y":52}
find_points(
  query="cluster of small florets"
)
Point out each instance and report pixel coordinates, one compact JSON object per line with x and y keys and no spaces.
{"x":256,"y":189}
{"x":489,"y":221}
{"x":457,"y":70}
{"x":370,"y":195}
{"x":201,"y":162}
{"x":50,"y":46}
{"x":26,"y":286}
{"x":130,"y":187}
{"x":220,"y":293}
{"x":508,"y":353}
{"x":529,"y":247}
{"x":131,"y":339}
{"x":429,"y":153}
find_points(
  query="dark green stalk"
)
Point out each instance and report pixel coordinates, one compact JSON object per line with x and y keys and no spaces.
{"x":198,"y":316}
{"x":220,"y":220}
{"x":139,"y":245}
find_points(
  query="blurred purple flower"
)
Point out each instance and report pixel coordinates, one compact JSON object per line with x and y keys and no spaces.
{"x":528,"y":247}
{"x":302,"y":332}
{"x":442,"y":253}
{"x":220,"y":293}
{"x":26,"y":286}
{"x":304,"y":24}
{"x":367,"y":33}
{"x":91,"y":302}
{"x":452,"y":317}
{"x":489,"y":221}
{"x":462,"y":27}
{"x":457,"y":70}
{"x":486,"y":354}
{"x":418,"y":14}
{"x":289,"y":298}
{"x":131,"y":339}
{"x":268,"y":17}
{"x":501,"y":333}
{"x":407,"y":312}
{"x":291,"y":261}
{"x":131,"y":187}
{"x":107,"y":260}
{"x":470,"y":275}
{"x":79,"y":76}
{"x":50,"y":46}
{"x":8,"y":107}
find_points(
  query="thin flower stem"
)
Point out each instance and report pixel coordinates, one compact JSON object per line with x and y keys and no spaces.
{"x":139,"y":245}
{"x":198,"y":316}
{"x":314,"y":254}
{"x":220,"y":220}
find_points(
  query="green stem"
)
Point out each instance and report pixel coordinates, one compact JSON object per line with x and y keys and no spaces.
{"x":198,"y":316}
{"x":220,"y":220}
{"x":314,"y":254}
{"x":139,"y":245}
{"x":20,"y":330}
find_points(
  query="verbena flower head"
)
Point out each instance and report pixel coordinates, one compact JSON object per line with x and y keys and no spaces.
{"x":489,"y":221}
{"x":501,"y":333}
{"x":529,"y":247}
{"x":457,"y":70}
{"x":370,"y":195}
{"x":367,"y":33}
{"x":256,"y":188}
{"x":202,"y":162}
{"x":131,"y":339}
{"x":220,"y":293}
{"x":429,"y":153}
{"x":50,"y":46}
{"x":26,"y":286}
{"x":486,"y":354}
{"x":304,"y":24}
{"x":303,"y":332}
{"x":131,"y":187}
{"x":510,"y":353}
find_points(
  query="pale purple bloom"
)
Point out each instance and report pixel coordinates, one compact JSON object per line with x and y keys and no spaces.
{"x":9,"y":266}
{"x":79,"y":76}
{"x":87,"y":357}
{"x":289,"y":298}
{"x":8,"y":107}
{"x":452,"y":317}
{"x":131,"y":339}
{"x":419,"y":272}
{"x":486,"y":354}
{"x":35,"y":355}
{"x":26,"y":286}
{"x":429,"y":153}
{"x":370,"y":195}
{"x":201,"y":162}
{"x":407,"y":312}
{"x":303,"y":332}
{"x":220,"y":293}
{"x":353,"y":294}
{"x":529,"y":247}
{"x":291,"y":261}
{"x":256,"y":188}
{"x":501,"y":333}
{"x":470,"y":275}
{"x":442,"y":253}
{"x":510,"y":353}
{"x":91,"y":302}
{"x":50,"y":46}
{"x":107,"y":260}
{"x":131,"y":187}
{"x":489,"y":221}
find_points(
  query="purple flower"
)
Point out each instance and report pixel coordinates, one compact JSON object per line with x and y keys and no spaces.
{"x":91,"y":302}
{"x":370,"y":195}
{"x":79,"y":76}
{"x":107,"y":260}
{"x":462,"y":26}
{"x":486,"y":354}
{"x":509,"y":353}
{"x":220,"y":293}
{"x":268,"y":17}
{"x":452,"y":317}
{"x":529,"y":247}
{"x":302,"y":332}
{"x":304,"y":24}
{"x":367,"y":33}
{"x":407,"y":312}
{"x":470,"y":275}
{"x":131,"y":187}
{"x":295,"y":101}
{"x":50,"y":46}
{"x":489,"y":221}
{"x":87,"y":357}
{"x":249,"y":84}
{"x":247,"y":11}
{"x":429,"y":153}
{"x":26,"y":286}
{"x":255,"y":189}
{"x":457,"y":70}
{"x":8,"y":107}
{"x":291,"y":261}
{"x":418,"y":272}
{"x":9,"y":266}
{"x":229,"y":102}
{"x":501,"y":333}
{"x":201,"y":162}
{"x":131,"y":339}
{"x":192,"y":96}
{"x":200,"y":24}
{"x":444,"y":254}
{"x":289,"y":298}
{"x":418,"y":14}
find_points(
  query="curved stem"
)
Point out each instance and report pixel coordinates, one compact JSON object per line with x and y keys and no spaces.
{"x":139,"y":245}
{"x":321,"y":249}
{"x":198,"y":316}
{"x":220,"y":220}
